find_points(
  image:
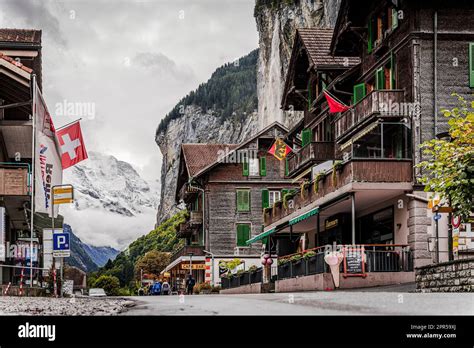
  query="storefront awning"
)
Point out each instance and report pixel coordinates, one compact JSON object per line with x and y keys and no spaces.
{"x":304,"y":216}
{"x":260,"y":236}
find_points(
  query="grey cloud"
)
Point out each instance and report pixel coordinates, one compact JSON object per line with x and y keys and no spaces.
{"x":161,"y":64}
{"x":37,"y":15}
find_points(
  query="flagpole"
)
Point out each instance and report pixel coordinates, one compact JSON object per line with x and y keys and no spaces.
{"x":69,"y":123}
{"x":33,"y":157}
{"x":335,"y":98}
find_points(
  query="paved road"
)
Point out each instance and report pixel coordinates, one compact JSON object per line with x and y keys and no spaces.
{"x":308,"y":303}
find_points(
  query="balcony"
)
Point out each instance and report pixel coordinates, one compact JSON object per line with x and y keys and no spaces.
{"x":366,"y":171}
{"x":196,"y":250}
{"x":14,"y":181}
{"x":382,"y":103}
{"x":307,"y":156}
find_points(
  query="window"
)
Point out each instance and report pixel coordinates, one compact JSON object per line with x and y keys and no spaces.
{"x":245,"y":164}
{"x":377,"y":228}
{"x":385,"y":140}
{"x":243,"y":200}
{"x":254,"y":168}
{"x":275,"y":196}
{"x":471,"y":65}
{"x":243,"y":234}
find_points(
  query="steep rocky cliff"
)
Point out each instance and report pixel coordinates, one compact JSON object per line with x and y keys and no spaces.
{"x":222,"y":110}
{"x":277,"y":21}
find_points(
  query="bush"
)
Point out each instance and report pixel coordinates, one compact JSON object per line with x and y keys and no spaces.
{"x":110,"y":284}
{"x":253,"y":269}
{"x":309,"y":254}
{"x":215,"y":289}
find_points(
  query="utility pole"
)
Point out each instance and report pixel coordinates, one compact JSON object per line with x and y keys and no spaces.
{"x":212,"y":266}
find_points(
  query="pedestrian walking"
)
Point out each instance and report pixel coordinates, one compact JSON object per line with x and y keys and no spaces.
{"x":190,"y":282}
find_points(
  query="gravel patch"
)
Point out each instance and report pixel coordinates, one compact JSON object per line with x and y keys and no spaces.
{"x":10,"y":305}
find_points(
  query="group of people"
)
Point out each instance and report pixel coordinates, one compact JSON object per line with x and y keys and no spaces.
{"x":164,"y":288}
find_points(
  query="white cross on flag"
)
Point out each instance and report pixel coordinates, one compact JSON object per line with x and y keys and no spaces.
{"x":71,"y":144}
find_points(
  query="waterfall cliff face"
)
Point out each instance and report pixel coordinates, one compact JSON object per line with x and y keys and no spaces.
{"x":277,"y":23}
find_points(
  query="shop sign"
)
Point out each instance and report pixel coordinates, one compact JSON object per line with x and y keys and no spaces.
{"x":194,"y":265}
{"x":331,"y":223}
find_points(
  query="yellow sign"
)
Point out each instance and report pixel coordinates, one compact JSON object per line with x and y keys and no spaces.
{"x":195,"y":266}
{"x":62,"y":195}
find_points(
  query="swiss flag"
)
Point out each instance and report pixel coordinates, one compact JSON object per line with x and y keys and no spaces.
{"x":71,"y":144}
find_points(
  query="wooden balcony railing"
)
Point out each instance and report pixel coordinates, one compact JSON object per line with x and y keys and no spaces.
{"x":195,"y":217}
{"x":14,"y":181}
{"x":372,"y":171}
{"x":385,"y":103}
{"x":196,"y":250}
{"x":314,"y":152}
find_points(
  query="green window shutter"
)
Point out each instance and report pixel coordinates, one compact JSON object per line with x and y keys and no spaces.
{"x":306,"y":136}
{"x":263,"y":166}
{"x":265,"y":198}
{"x":245,"y":167}
{"x":394,"y":18}
{"x":243,"y":200}
{"x":369,"y":37}
{"x":287,"y":168}
{"x":471,"y":64}
{"x":359,"y":92}
{"x":283,"y":193}
{"x":243,"y":234}
{"x":379,"y":79}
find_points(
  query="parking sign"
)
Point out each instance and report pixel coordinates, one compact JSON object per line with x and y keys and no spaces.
{"x":61,"y":246}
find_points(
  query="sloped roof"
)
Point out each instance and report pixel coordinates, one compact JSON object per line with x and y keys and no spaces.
{"x":199,"y":156}
{"x":15,"y":63}
{"x":317,"y":42}
{"x":20,"y":35}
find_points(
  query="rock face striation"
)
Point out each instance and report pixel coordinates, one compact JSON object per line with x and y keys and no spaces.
{"x":277,"y":21}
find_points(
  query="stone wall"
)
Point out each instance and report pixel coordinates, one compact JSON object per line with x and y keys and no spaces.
{"x":452,"y":276}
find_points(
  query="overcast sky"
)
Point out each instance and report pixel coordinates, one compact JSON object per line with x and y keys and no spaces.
{"x":130,"y":61}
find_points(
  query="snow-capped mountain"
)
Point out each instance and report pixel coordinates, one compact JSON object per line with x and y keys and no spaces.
{"x":103,"y":181}
{"x":113,"y":204}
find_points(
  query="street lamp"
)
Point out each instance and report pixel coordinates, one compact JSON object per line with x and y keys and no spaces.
{"x":191,"y":263}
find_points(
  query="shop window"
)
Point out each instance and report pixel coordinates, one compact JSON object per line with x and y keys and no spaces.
{"x":243,"y":200}
{"x":377,"y":227}
{"x":243,"y":234}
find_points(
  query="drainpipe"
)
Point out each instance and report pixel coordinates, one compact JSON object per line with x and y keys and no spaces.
{"x":435,"y":71}
{"x":353,"y":222}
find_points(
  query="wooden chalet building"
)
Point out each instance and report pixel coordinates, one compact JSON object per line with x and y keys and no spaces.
{"x":395,"y":63}
{"x":20,"y":57}
{"x":225,"y":187}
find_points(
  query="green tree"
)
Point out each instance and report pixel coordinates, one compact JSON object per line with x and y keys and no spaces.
{"x":449,"y":168}
{"x":110,"y":284}
{"x":153,"y":262}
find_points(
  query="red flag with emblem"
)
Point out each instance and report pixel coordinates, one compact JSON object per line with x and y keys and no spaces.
{"x":279,"y":149}
{"x":334,"y":104}
{"x":71,"y":144}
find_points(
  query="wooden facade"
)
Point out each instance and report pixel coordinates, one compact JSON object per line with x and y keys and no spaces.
{"x":220,"y":181}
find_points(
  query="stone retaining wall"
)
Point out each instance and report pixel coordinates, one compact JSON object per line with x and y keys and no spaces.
{"x":451,"y":276}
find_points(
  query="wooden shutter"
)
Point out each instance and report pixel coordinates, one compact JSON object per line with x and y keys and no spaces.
{"x":263,"y":166}
{"x":471,"y":65}
{"x":243,"y":234}
{"x":394,"y":18}
{"x":245,"y":167}
{"x":359,"y":92}
{"x":306,"y":136}
{"x":243,"y":200}
{"x":265,"y":198}
{"x":379,"y":79}
{"x":370,"y":37}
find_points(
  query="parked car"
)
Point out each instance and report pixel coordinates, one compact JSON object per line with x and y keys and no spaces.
{"x":97,"y":292}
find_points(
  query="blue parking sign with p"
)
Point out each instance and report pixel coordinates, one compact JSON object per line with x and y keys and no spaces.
{"x":61,"y":242}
